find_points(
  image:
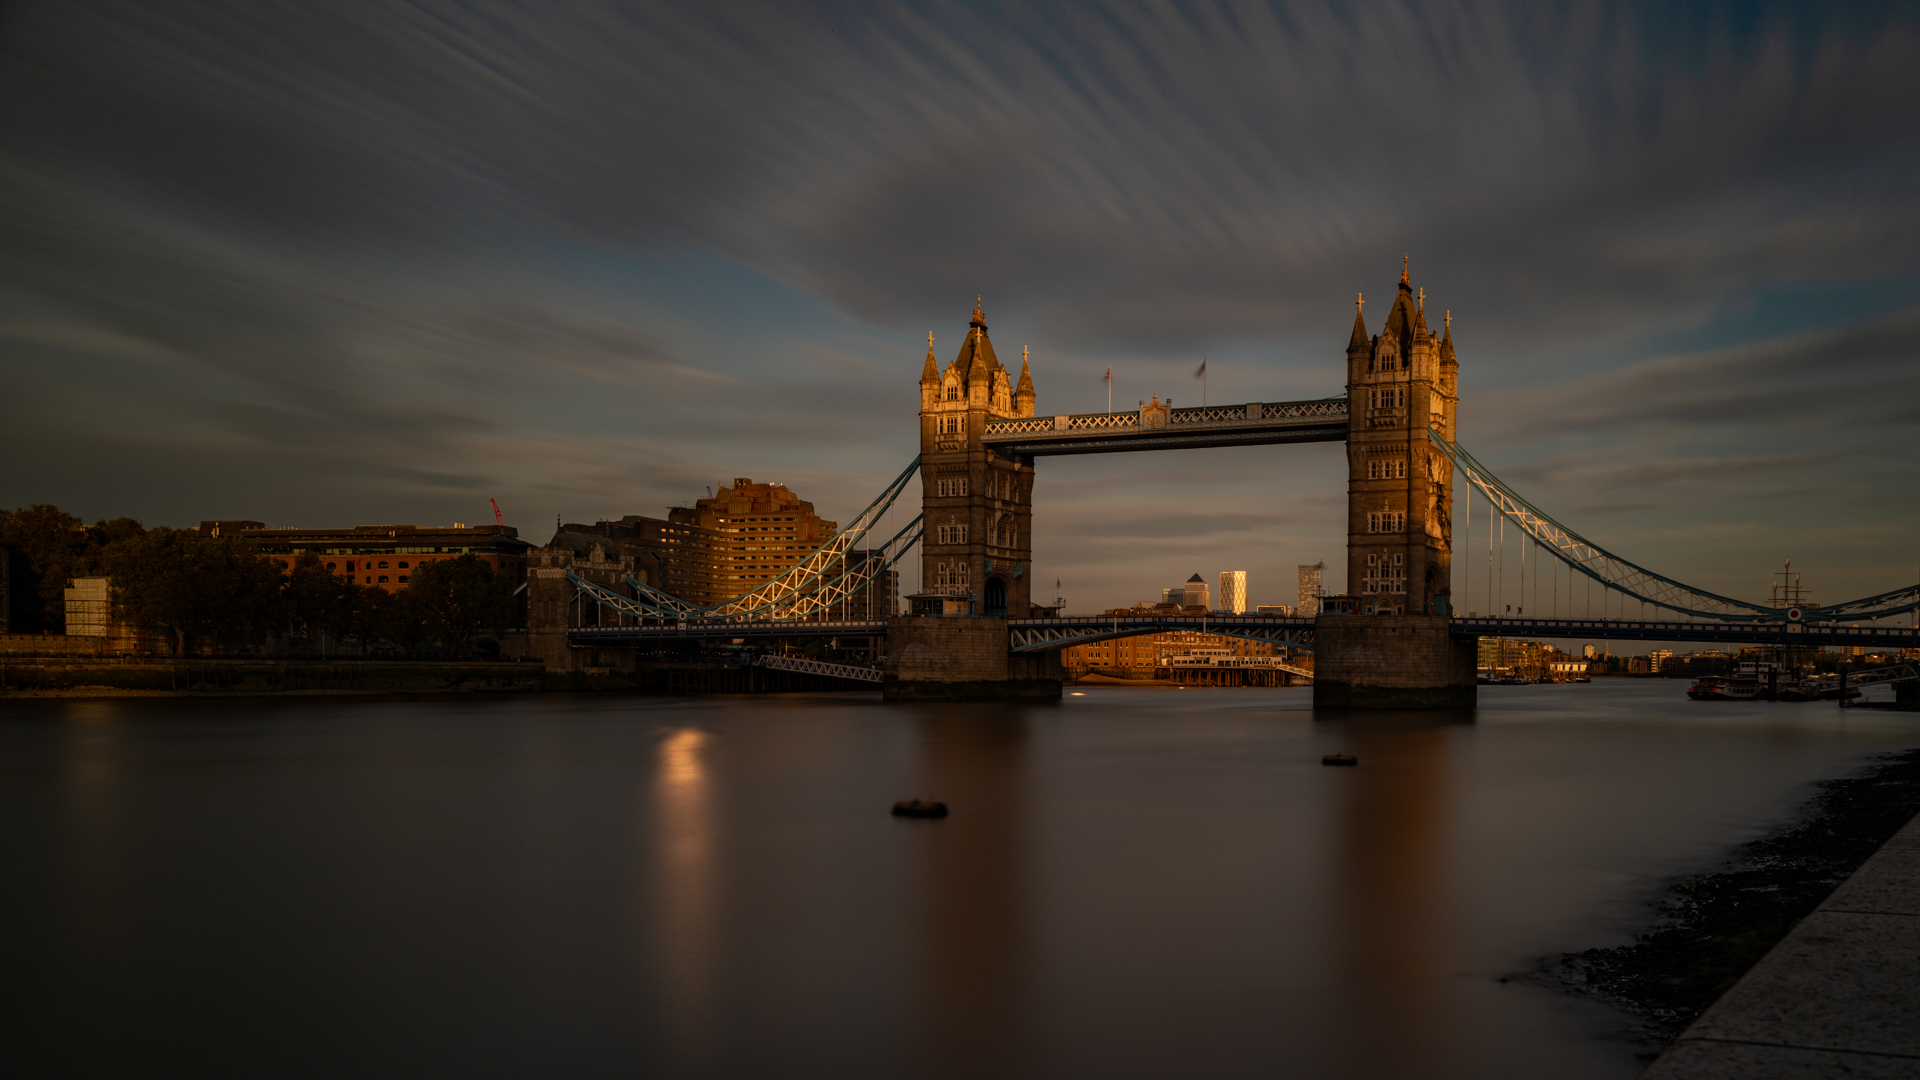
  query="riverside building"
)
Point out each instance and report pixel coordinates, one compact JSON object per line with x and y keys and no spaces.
{"x":729,"y":543}
{"x":384,"y":556}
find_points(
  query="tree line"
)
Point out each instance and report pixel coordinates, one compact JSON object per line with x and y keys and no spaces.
{"x":201,"y":594}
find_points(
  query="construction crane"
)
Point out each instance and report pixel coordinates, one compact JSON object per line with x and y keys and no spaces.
{"x":497,"y":519}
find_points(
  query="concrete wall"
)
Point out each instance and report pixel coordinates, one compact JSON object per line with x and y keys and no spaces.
{"x":1391,"y":662}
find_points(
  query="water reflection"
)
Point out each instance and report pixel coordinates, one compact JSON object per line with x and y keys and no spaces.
{"x":1390,"y":888}
{"x":973,"y":910}
{"x":686,"y":902}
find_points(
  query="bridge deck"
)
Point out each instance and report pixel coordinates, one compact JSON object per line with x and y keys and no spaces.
{"x":1253,"y":424}
{"x":1041,"y":635}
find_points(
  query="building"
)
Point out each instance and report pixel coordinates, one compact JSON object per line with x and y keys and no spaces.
{"x":1233,"y":591}
{"x":1145,"y":655}
{"x":729,"y":543}
{"x":1401,"y":382}
{"x":760,"y":531}
{"x":1512,"y":656}
{"x":1308,"y":605}
{"x":671,"y":556}
{"x":90,"y":614}
{"x":1194,"y":593}
{"x":1658,"y":659}
{"x":976,"y":555}
{"x":1589,"y":651}
{"x":383,"y":555}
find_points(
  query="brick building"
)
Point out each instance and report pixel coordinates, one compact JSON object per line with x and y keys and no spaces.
{"x":383,"y":555}
{"x":731,"y":543}
{"x":1141,"y":656}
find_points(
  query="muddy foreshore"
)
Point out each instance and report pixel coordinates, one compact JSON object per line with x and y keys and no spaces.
{"x":1709,"y":929}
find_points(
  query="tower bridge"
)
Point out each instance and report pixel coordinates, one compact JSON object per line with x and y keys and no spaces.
{"x":1393,"y":640}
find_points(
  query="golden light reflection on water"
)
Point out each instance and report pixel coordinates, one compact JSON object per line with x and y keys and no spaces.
{"x":1390,"y":894}
{"x":686,"y":890}
{"x":973,"y":931}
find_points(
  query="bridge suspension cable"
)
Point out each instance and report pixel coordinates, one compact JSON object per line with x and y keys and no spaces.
{"x":1637,"y":581}
{"x":809,"y":589}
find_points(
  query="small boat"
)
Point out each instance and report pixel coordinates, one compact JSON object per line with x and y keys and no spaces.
{"x":919,"y":808}
{"x":1339,"y":759}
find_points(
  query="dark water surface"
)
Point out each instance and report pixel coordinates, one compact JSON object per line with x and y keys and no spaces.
{"x":1134,"y":883}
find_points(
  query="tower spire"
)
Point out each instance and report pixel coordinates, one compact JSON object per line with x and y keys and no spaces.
{"x":1358,"y":342}
{"x":930,"y":375}
{"x":1404,"y":281}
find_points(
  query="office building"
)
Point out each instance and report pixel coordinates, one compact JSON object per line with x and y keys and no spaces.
{"x":1194,"y":593}
{"x":383,"y":555}
{"x":1233,"y":591}
{"x":729,"y":543}
{"x":1308,"y":605}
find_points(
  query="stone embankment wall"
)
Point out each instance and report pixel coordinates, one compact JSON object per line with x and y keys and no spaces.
{"x":95,"y":678}
{"x":1391,"y":662}
{"x":939,"y":659}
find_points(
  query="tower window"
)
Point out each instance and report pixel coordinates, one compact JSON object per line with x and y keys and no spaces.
{"x":1386,"y":521}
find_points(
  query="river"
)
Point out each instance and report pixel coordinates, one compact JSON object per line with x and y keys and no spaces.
{"x":1133,"y":882}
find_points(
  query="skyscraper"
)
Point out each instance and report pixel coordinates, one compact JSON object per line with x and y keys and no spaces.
{"x":1195,"y":592}
{"x":1233,"y":591}
{"x":1308,"y":604}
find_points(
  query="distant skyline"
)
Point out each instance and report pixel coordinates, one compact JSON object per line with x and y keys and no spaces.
{"x":375,"y":263}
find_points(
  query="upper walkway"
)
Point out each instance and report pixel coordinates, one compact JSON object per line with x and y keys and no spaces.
{"x":1252,"y":424}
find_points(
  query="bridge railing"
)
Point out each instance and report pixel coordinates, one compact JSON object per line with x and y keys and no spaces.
{"x":1321,"y":410}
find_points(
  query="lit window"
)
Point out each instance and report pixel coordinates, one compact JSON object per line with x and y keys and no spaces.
{"x":383,"y":579}
{"x":332,"y":566}
{"x":383,"y":566}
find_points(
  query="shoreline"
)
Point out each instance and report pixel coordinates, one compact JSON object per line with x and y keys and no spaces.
{"x":1708,"y":930}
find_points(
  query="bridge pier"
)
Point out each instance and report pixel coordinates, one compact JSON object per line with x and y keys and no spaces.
{"x":1391,"y":662}
{"x":930,"y":658}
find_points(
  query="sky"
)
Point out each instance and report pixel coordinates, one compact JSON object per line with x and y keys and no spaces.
{"x":359,"y":263}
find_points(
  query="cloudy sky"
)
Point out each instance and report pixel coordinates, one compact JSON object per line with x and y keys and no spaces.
{"x":345,"y":263}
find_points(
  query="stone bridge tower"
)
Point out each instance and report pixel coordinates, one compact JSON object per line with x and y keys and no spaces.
{"x":976,"y":557}
{"x":1400,"y":488}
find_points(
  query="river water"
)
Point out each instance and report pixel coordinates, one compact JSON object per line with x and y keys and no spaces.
{"x":1133,"y":883}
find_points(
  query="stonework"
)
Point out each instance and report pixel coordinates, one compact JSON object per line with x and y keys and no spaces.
{"x":947,"y":659}
{"x":1400,"y":382}
{"x":1386,"y":643}
{"x":1391,"y":662}
{"x":977,"y":506}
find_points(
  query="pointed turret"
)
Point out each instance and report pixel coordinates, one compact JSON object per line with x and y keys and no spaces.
{"x":1446,"y":344}
{"x":1420,"y":314}
{"x":1023,"y":394}
{"x":1358,"y":342}
{"x":930,"y":374}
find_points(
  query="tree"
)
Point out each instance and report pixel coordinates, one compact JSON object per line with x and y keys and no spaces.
{"x":319,"y":601}
{"x":56,"y":547}
{"x":188,"y":584}
{"x":456,"y":598}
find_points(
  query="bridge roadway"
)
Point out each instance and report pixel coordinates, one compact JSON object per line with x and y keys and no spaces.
{"x":1041,"y":635}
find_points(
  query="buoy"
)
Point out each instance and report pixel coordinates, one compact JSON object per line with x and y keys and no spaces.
{"x":917,"y":808}
{"x":1339,"y":759}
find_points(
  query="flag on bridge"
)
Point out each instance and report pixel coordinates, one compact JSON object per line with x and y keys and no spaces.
{"x":1201,"y":371}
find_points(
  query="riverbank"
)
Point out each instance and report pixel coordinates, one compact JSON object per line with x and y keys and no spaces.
{"x":1713,"y":928}
{"x":43,"y":677}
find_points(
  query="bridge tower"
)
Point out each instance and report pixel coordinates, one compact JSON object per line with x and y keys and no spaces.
{"x":1389,"y":644}
{"x":976,"y":557}
{"x":1399,"y":489}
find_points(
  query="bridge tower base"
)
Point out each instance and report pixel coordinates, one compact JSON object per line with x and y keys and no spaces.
{"x":930,"y":658}
{"x":1391,"y":662}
